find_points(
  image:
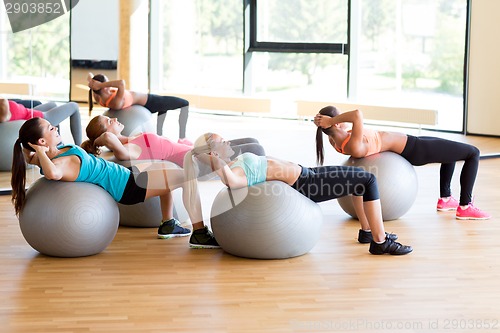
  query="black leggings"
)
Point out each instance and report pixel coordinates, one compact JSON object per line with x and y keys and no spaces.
{"x":162,"y":104}
{"x":331,"y":182}
{"x":423,"y":150}
{"x":136,"y":188}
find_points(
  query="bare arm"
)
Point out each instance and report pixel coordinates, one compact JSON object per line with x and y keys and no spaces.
{"x":230,"y":178}
{"x":112,"y":142}
{"x":117,"y":102}
{"x":50,"y":170}
{"x":355,"y":147}
{"x":4,"y":110}
{"x":31,"y":157}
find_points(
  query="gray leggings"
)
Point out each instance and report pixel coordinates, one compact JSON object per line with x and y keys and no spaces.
{"x":56,"y":114}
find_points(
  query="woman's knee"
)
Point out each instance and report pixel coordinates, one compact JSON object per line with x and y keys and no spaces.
{"x":368,"y":188}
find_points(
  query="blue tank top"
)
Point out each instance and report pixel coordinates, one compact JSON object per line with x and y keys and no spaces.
{"x":110,"y":176}
{"x":254,"y":167}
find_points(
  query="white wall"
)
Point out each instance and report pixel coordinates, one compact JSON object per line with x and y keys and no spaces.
{"x":94,"y":30}
{"x":484,"y":69}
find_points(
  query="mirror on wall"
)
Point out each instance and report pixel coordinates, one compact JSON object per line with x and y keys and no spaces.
{"x":50,"y":62}
{"x":34,"y":65}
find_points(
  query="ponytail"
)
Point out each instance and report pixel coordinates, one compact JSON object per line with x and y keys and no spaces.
{"x":320,"y":151}
{"x":100,"y":78}
{"x":91,"y":101}
{"x":191,"y":167}
{"x":90,"y":147}
{"x":29,"y":132}
{"x":18,"y":178}
{"x":94,"y":130}
{"x":330,"y":111}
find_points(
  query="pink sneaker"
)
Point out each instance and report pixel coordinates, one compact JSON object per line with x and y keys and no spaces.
{"x":471,"y":213}
{"x":444,"y":206}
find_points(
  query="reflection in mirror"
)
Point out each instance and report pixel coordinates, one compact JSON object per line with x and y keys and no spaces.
{"x":34,"y":65}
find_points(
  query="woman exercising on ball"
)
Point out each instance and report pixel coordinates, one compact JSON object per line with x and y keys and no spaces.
{"x":113,"y":95}
{"x":360,"y":142}
{"x":38,"y":144}
{"x":318,"y":184}
{"x":105,"y":131}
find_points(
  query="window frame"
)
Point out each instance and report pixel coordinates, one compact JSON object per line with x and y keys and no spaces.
{"x":285,"y":47}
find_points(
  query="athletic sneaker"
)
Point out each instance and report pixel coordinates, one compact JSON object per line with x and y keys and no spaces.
{"x":172,"y":228}
{"x":365,"y":237}
{"x":389,"y":246}
{"x":471,"y":213}
{"x":203,"y":239}
{"x":444,"y":206}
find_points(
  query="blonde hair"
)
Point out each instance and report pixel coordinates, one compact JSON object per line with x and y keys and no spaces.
{"x":202,"y":145}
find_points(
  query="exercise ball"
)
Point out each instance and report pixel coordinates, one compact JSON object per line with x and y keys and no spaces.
{"x":135,"y":119}
{"x":68,"y":219}
{"x":397,"y":183}
{"x":9,"y":132}
{"x":269,"y":220}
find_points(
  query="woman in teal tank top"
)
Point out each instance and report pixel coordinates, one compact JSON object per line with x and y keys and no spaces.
{"x":38,"y":144}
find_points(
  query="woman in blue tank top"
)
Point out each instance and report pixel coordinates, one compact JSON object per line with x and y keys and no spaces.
{"x":318,"y":184}
{"x":38,"y":144}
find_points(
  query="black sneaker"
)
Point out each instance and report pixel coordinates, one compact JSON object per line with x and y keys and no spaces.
{"x":203,"y":239}
{"x":365,"y":237}
{"x":172,"y":228}
{"x":389,"y":246}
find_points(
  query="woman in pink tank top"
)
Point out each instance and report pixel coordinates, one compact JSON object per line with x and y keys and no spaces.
{"x":105,"y":131}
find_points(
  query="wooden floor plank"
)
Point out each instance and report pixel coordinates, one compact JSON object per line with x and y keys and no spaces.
{"x":143,"y":284}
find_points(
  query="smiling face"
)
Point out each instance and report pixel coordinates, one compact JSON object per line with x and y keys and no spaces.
{"x":50,"y":135}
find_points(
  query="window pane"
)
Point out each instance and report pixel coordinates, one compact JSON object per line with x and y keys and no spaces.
{"x":287,"y":77}
{"x":201,"y":43}
{"x":411,"y":53}
{"x":302,"y":21}
{"x":39,"y":56}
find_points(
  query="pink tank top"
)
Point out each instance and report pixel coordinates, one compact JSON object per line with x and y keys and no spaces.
{"x":20,"y":112}
{"x":370,"y":137}
{"x":128,"y":99}
{"x":156,"y":147}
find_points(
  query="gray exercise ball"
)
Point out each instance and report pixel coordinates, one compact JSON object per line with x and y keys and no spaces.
{"x":269,"y":220}
{"x":397,"y":183}
{"x":135,"y":118}
{"x":68,"y":219}
{"x":147,"y":214}
{"x":9,"y":132}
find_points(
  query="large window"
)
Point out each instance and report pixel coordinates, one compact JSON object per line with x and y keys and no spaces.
{"x":197,"y":46}
{"x":402,"y":53}
{"x":38,"y":56}
{"x":411,"y":53}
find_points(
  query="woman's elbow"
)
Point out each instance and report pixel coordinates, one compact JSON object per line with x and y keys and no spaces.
{"x":358,"y":114}
{"x":53,"y":175}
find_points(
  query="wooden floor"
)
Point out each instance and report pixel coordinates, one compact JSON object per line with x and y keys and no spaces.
{"x":450,"y":283}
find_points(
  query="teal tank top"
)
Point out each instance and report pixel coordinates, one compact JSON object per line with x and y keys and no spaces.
{"x":110,"y":176}
{"x":254,"y":166}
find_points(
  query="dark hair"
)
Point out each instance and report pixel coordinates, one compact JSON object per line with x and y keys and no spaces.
{"x":331,"y":111}
{"x":29,"y":132}
{"x":100,"y":78}
{"x":94,"y":130}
